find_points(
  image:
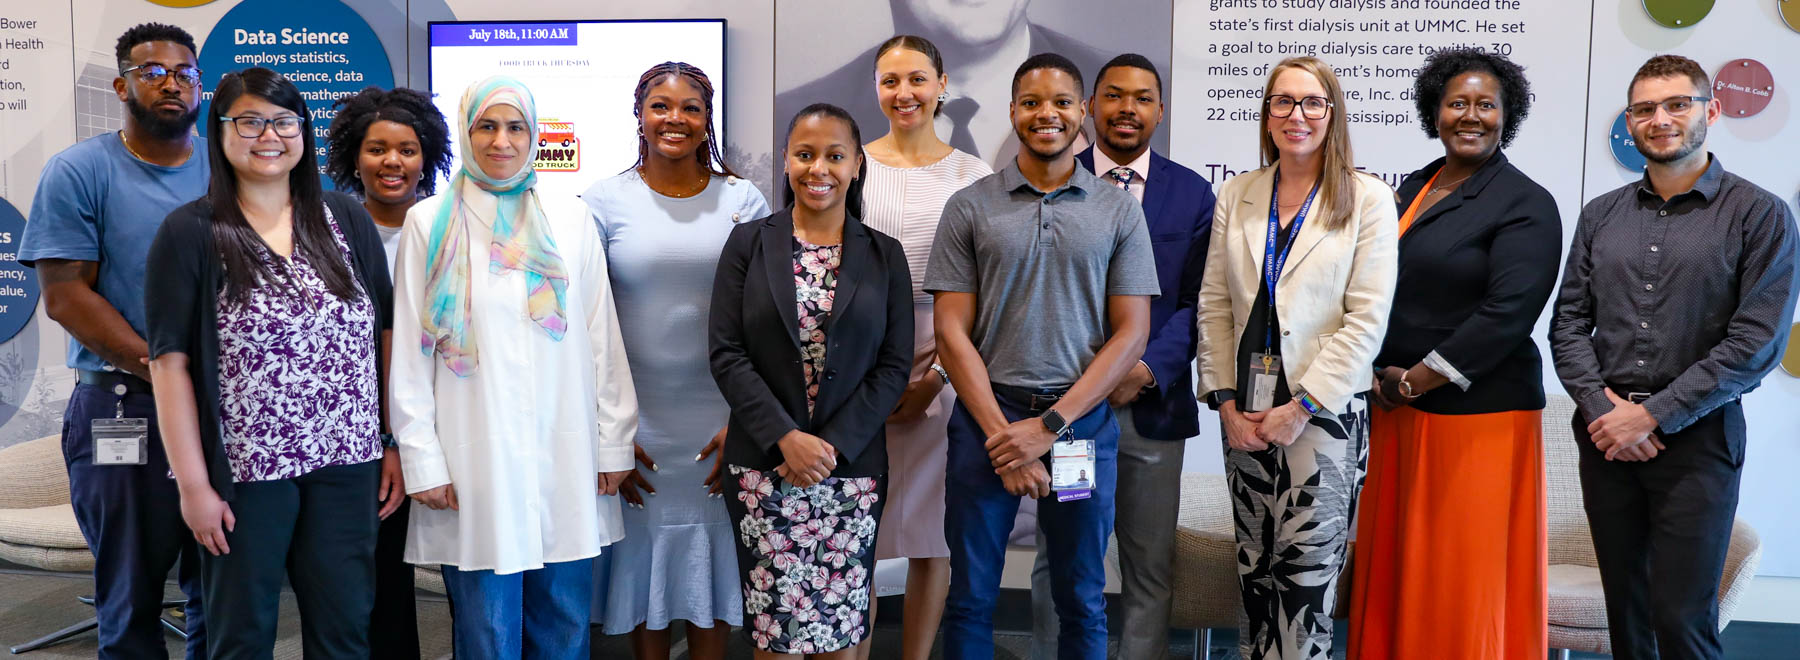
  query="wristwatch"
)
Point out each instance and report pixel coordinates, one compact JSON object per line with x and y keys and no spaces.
{"x":1054,"y":422}
{"x":387,"y":440}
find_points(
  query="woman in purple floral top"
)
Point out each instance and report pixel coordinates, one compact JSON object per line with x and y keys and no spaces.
{"x":811,"y":333}
{"x":268,"y":304}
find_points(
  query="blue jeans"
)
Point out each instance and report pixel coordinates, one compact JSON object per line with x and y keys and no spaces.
{"x":130,"y":516}
{"x":535,"y":615}
{"x":978,"y":517}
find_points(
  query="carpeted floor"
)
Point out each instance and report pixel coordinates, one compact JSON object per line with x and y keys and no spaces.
{"x":34,"y":604}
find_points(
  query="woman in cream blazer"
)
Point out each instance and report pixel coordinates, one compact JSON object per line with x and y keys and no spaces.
{"x":1295,"y":428}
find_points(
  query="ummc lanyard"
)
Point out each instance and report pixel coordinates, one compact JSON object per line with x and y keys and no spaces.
{"x":1274,"y":261}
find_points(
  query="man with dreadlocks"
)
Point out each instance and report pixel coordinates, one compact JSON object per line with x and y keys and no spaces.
{"x":663,"y":223}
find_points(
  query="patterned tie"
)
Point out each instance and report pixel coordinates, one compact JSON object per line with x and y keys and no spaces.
{"x":1121,"y":177}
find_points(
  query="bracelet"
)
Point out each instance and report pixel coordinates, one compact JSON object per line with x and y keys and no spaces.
{"x":1406,"y":389}
{"x":941,"y":373}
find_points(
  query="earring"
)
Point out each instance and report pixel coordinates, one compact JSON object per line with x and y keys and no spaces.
{"x":943,"y":97}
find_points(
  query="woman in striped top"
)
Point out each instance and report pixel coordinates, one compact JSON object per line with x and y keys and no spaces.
{"x":911,"y":174}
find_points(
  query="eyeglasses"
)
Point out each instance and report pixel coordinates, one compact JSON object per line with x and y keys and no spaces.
{"x":251,"y":128}
{"x":153,"y":74}
{"x":1675,"y":105}
{"x":1281,"y":106}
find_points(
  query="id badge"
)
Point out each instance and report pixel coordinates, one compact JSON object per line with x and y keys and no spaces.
{"x":121,"y":441}
{"x":1072,"y":472}
{"x":1265,"y":371}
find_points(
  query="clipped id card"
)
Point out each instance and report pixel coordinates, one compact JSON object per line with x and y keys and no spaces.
{"x":1072,"y":472}
{"x":1265,"y":371}
{"x":121,"y":441}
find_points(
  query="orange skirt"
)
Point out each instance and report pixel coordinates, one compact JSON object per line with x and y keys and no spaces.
{"x":1451,"y":553}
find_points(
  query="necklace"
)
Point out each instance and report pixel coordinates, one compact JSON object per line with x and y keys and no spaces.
{"x":141,"y":157}
{"x":690,"y":192}
{"x":1446,"y":187}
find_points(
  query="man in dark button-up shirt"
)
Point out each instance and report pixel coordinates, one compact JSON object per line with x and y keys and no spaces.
{"x":1676,"y":301}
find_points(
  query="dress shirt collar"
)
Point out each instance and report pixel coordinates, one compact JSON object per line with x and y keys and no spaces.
{"x":1707,"y":186}
{"x":1140,"y":167}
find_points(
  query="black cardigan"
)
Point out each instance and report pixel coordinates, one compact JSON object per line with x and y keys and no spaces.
{"x":756,"y":346}
{"x":181,"y":286}
{"x":1475,"y":272}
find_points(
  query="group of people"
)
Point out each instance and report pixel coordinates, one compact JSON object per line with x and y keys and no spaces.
{"x":886,"y":366}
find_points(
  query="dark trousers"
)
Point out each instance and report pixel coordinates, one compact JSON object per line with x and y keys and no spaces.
{"x":1661,"y":529}
{"x":131,"y":518}
{"x":394,"y":626}
{"x":978,"y":518}
{"x":318,"y":530}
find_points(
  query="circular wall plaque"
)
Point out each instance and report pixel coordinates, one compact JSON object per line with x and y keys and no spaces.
{"x":1743,"y":87}
{"x":1790,"y":13}
{"x":1677,"y":13}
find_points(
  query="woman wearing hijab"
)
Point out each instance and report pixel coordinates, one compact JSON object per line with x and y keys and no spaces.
{"x":514,"y":411}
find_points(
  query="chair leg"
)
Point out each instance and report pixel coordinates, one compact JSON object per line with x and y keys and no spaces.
{"x":1565,"y":654}
{"x":57,"y":637}
{"x":1203,"y":644}
{"x":175,"y":604}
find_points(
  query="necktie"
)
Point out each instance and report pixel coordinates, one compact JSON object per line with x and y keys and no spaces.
{"x":960,"y":111}
{"x":1121,"y":177}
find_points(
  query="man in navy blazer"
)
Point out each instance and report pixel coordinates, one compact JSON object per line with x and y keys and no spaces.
{"x":1155,"y":401}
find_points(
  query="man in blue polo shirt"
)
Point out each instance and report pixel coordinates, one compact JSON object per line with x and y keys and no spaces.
{"x":1043,"y":276}
{"x":97,"y":206}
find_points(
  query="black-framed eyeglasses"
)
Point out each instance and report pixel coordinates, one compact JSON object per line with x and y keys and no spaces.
{"x":251,"y":128}
{"x":1676,"y":106}
{"x":154,"y":74}
{"x":1281,"y":106}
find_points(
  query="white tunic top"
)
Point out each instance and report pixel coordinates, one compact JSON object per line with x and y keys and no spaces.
{"x":523,"y":437}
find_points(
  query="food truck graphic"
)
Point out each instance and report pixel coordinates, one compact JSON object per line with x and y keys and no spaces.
{"x":558,"y":148}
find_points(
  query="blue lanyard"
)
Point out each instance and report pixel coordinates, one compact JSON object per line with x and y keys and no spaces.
{"x":1274,"y":261}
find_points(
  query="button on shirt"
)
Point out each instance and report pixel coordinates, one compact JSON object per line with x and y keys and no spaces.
{"x":1042,"y":265}
{"x":1688,"y":299}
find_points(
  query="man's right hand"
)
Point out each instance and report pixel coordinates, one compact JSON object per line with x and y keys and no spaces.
{"x":1032,"y":480}
{"x":438,"y":499}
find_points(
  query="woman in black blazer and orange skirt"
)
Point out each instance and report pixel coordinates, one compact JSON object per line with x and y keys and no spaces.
{"x":811,"y":332}
{"x":1451,"y":552}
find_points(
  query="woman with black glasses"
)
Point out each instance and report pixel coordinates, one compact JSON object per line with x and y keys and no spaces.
{"x":268,"y":304}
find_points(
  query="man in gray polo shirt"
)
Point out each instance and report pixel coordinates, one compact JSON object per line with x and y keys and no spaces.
{"x":1031,"y":268}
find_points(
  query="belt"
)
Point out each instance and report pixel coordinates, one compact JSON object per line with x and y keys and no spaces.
{"x":1032,"y":399}
{"x":111,"y":380}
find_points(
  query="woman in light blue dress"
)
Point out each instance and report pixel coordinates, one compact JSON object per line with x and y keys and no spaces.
{"x":664,"y":222}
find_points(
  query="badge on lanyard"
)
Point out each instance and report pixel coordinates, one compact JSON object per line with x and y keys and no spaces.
{"x":121,"y":440}
{"x":1072,"y":470}
{"x":1265,"y":367}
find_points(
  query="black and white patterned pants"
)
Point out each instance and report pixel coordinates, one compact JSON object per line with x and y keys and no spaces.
{"x":1292,"y":508}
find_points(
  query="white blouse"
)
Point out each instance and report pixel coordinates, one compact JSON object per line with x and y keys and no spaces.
{"x":523,"y":437}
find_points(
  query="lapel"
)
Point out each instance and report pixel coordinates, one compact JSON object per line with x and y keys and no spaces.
{"x":1156,"y":188}
{"x":1086,"y":158}
{"x":1256,"y":202}
{"x":853,"y":268}
{"x":1464,"y":193}
{"x":778,"y":264}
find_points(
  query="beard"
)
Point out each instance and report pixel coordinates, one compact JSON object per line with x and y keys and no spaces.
{"x":1692,"y":137}
{"x":158,"y":124}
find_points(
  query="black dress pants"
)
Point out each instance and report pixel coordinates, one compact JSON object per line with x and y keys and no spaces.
{"x":318,"y":530}
{"x":1661,"y":530}
{"x":394,"y":626}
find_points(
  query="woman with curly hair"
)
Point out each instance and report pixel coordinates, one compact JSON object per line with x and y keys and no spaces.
{"x":1451,"y":553}
{"x":389,"y":147}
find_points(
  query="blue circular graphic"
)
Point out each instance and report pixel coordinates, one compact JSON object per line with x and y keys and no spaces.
{"x":1624,"y":149}
{"x":325,"y":48}
{"x":18,"y":284}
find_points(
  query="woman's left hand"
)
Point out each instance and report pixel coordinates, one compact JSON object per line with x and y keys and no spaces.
{"x":716,"y":447}
{"x":1283,"y":424}
{"x":392,"y":491}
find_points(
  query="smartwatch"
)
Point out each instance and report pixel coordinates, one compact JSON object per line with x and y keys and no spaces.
{"x":1054,"y":422}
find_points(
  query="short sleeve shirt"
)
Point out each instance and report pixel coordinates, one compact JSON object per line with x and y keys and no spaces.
{"x":97,"y":202}
{"x":1041,"y":266}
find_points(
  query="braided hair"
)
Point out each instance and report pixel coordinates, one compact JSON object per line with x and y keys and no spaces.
{"x":711,"y":157}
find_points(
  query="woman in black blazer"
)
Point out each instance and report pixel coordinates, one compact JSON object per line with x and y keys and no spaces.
{"x":811,"y":332}
{"x":1451,"y":553}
